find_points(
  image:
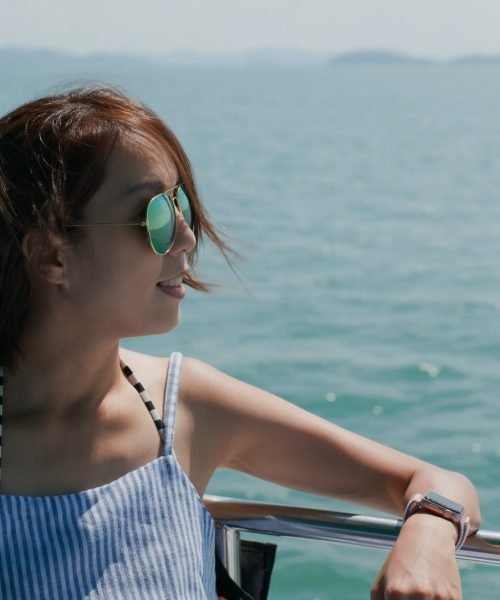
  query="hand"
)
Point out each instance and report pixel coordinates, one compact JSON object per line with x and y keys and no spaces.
{"x":422,"y":564}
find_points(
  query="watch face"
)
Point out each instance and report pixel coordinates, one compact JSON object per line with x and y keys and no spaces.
{"x":444,"y":503}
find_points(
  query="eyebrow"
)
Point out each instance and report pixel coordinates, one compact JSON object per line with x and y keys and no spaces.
{"x":154,"y":187}
{"x":147,"y":185}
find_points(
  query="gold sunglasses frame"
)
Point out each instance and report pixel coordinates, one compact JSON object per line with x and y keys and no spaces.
{"x":175,"y":201}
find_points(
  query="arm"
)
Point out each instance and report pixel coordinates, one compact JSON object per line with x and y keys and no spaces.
{"x":245,"y":428}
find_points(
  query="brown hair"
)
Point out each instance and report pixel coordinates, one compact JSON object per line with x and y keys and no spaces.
{"x":53,"y":158}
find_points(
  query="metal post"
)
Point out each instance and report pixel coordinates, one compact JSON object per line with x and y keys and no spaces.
{"x":228,"y":540}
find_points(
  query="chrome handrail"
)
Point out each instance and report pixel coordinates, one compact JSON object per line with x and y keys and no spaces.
{"x":233,"y":516}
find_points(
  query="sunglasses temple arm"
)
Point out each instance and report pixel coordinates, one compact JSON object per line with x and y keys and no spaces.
{"x":143,"y":224}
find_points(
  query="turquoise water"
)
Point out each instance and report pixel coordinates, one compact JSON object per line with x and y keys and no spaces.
{"x":366,"y":206}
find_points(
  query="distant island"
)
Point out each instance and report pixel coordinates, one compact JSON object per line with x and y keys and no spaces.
{"x":391,"y":58}
{"x":378,"y":57}
{"x":29,"y":59}
{"x":478,"y":59}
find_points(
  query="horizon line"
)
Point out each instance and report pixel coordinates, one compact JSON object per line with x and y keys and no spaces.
{"x":258,"y":49}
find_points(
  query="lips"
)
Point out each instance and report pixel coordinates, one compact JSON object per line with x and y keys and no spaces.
{"x":174,"y":281}
{"x":173,"y":288}
{"x":171,"y":282}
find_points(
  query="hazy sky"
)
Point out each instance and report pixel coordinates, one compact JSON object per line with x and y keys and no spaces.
{"x":439,"y":28}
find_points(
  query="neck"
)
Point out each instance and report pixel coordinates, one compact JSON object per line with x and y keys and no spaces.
{"x":58,"y":377}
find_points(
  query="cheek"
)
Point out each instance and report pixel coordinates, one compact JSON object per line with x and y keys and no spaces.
{"x":119,"y":297}
{"x":108,"y":269}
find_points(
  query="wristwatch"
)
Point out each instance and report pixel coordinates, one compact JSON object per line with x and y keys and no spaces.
{"x":438,"y":505}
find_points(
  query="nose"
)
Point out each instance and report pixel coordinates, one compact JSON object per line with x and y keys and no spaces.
{"x":185,"y":240}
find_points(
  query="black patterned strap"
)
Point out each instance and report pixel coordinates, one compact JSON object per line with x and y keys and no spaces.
{"x":146,"y":398}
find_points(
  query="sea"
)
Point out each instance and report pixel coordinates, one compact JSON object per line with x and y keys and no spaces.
{"x":364,"y":205}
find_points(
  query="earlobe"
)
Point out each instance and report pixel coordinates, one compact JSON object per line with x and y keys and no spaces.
{"x":44,"y":255}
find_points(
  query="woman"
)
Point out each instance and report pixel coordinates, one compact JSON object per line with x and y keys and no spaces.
{"x":99,"y":225}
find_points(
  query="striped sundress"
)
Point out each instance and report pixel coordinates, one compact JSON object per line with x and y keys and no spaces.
{"x":145,"y":535}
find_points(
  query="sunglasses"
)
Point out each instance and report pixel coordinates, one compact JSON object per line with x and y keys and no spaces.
{"x":160,"y":220}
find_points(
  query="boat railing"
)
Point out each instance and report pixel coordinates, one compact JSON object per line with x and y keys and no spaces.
{"x":233,"y":517}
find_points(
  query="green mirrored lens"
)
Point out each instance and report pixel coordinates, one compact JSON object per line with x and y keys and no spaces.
{"x":185,"y":206}
{"x":160,"y":219}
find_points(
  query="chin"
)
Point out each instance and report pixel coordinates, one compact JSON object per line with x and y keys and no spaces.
{"x":170,"y":323}
{"x":156,"y":327}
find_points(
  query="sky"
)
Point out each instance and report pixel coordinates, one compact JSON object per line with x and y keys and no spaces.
{"x":431,"y":28}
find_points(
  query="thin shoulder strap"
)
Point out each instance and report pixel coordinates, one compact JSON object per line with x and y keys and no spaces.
{"x":127,"y":371}
{"x":171,"y":394}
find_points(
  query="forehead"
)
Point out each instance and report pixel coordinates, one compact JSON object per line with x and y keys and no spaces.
{"x":134,"y":169}
{"x":132,"y":164}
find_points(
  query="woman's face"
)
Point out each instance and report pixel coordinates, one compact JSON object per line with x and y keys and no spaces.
{"x":114,"y":279}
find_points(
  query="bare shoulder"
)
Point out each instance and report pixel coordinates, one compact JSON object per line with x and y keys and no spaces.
{"x":233,"y":411}
{"x":201,"y":383}
{"x":204,"y":430}
{"x":204,"y":393}
{"x":205,"y":386}
{"x":145,"y":365}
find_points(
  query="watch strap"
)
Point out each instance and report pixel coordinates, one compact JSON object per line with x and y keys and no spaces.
{"x":415,"y":505}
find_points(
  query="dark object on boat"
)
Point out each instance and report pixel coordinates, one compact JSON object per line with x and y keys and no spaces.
{"x":256,"y":564}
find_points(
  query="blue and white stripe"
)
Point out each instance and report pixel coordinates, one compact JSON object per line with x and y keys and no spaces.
{"x":144,"y":535}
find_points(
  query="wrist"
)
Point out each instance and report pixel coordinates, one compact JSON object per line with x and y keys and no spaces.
{"x":442,"y":510}
{"x":424,"y":525}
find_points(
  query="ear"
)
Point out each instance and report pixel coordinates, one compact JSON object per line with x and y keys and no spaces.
{"x":44,"y":254}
